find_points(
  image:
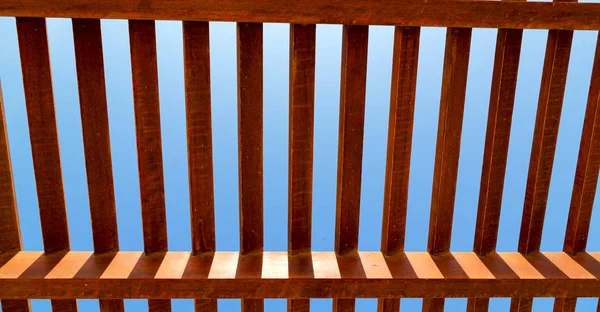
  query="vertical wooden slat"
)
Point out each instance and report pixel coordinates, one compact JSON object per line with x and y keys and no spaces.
{"x":564,"y":304}
{"x":196,"y":51}
{"x":39,"y":99}
{"x":142,"y":40}
{"x":250,"y":144}
{"x":454,"y":84}
{"x":521,"y":304}
{"x":10,"y":234}
{"x":350,"y":144}
{"x":554,"y":76}
{"x":402,"y":105}
{"x":504,"y":81}
{"x":302,"y":101}
{"x":588,"y":164}
{"x":96,"y":140}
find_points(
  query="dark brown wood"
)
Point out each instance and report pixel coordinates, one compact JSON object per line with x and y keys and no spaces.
{"x":10,"y":235}
{"x":302,"y":101}
{"x":250,"y":128}
{"x":521,"y":304}
{"x":199,"y":134}
{"x":250,"y":144}
{"x":111,"y":305}
{"x":504,"y":81}
{"x":351,"y":132}
{"x":586,"y":174}
{"x":552,"y":89}
{"x":454,"y":83}
{"x":478,"y":304}
{"x":142,"y":40}
{"x":362,"y":275}
{"x":39,"y":98}
{"x":196,"y":51}
{"x":89,"y":61}
{"x":18,"y":305}
{"x":301,"y":135}
{"x":479,"y":13}
{"x":402,"y":105}
{"x":565,"y":304}
{"x":433,"y":304}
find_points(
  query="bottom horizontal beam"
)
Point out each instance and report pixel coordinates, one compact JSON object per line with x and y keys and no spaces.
{"x":312,"y":275}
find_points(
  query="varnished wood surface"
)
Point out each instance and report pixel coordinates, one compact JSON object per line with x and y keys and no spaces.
{"x":96,"y":136}
{"x":199,"y":134}
{"x":269,"y":275}
{"x":479,"y":13}
{"x":10,"y":234}
{"x":586,"y":173}
{"x":454,"y":84}
{"x":350,"y":141}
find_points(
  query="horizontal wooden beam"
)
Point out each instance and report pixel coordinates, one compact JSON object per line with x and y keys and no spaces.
{"x":454,"y":13}
{"x":364,"y":275}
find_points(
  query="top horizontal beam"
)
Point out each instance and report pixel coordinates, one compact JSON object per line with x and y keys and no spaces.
{"x":454,"y":13}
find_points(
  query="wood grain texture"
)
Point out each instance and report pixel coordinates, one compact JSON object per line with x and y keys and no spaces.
{"x":301,"y":136}
{"x":96,"y":136}
{"x":360,"y":275}
{"x":454,"y":83}
{"x":142,"y":41}
{"x":502,"y":95}
{"x":545,"y":134}
{"x":199,"y":134}
{"x":402,"y":105}
{"x":479,"y":13}
{"x":504,"y":81}
{"x":39,"y":99}
{"x":250,"y":143}
{"x":351,"y":132}
{"x":250,"y":133}
{"x":10,"y":235}
{"x":302,"y":102}
{"x":19,"y":305}
{"x":111,"y":305}
{"x":41,"y":116}
{"x":564,"y":304}
{"x":586,"y":173}
{"x":521,"y":304}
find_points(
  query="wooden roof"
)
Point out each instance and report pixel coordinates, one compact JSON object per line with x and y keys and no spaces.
{"x":299,"y":274}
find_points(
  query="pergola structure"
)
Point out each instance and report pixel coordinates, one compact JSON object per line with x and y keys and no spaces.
{"x":299,"y":274}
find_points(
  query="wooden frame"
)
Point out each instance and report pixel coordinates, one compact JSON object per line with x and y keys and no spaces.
{"x":299,"y":274}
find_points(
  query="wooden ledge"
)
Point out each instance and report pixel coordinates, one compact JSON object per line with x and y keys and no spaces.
{"x":478,"y":13}
{"x":312,"y":275}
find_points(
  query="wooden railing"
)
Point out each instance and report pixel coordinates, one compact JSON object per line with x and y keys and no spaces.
{"x":299,"y":274}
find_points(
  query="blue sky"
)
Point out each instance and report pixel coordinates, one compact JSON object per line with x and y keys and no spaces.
{"x":276,"y":54}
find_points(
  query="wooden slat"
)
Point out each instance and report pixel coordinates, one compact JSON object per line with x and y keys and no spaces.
{"x":39,"y":99}
{"x":351,"y":131}
{"x":588,"y":164}
{"x":142,"y":40}
{"x":368,"y":275}
{"x":564,"y":304}
{"x":10,"y":234}
{"x":504,"y":80}
{"x":454,"y":85}
{"x":402,"y":105}
{"x":96,"y":139}
{"x":479,"y":13}
{"x":250,"y":144}
{"x":302,"y":102}
{"x":350,"y":144}
{"x":196,"y":51}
